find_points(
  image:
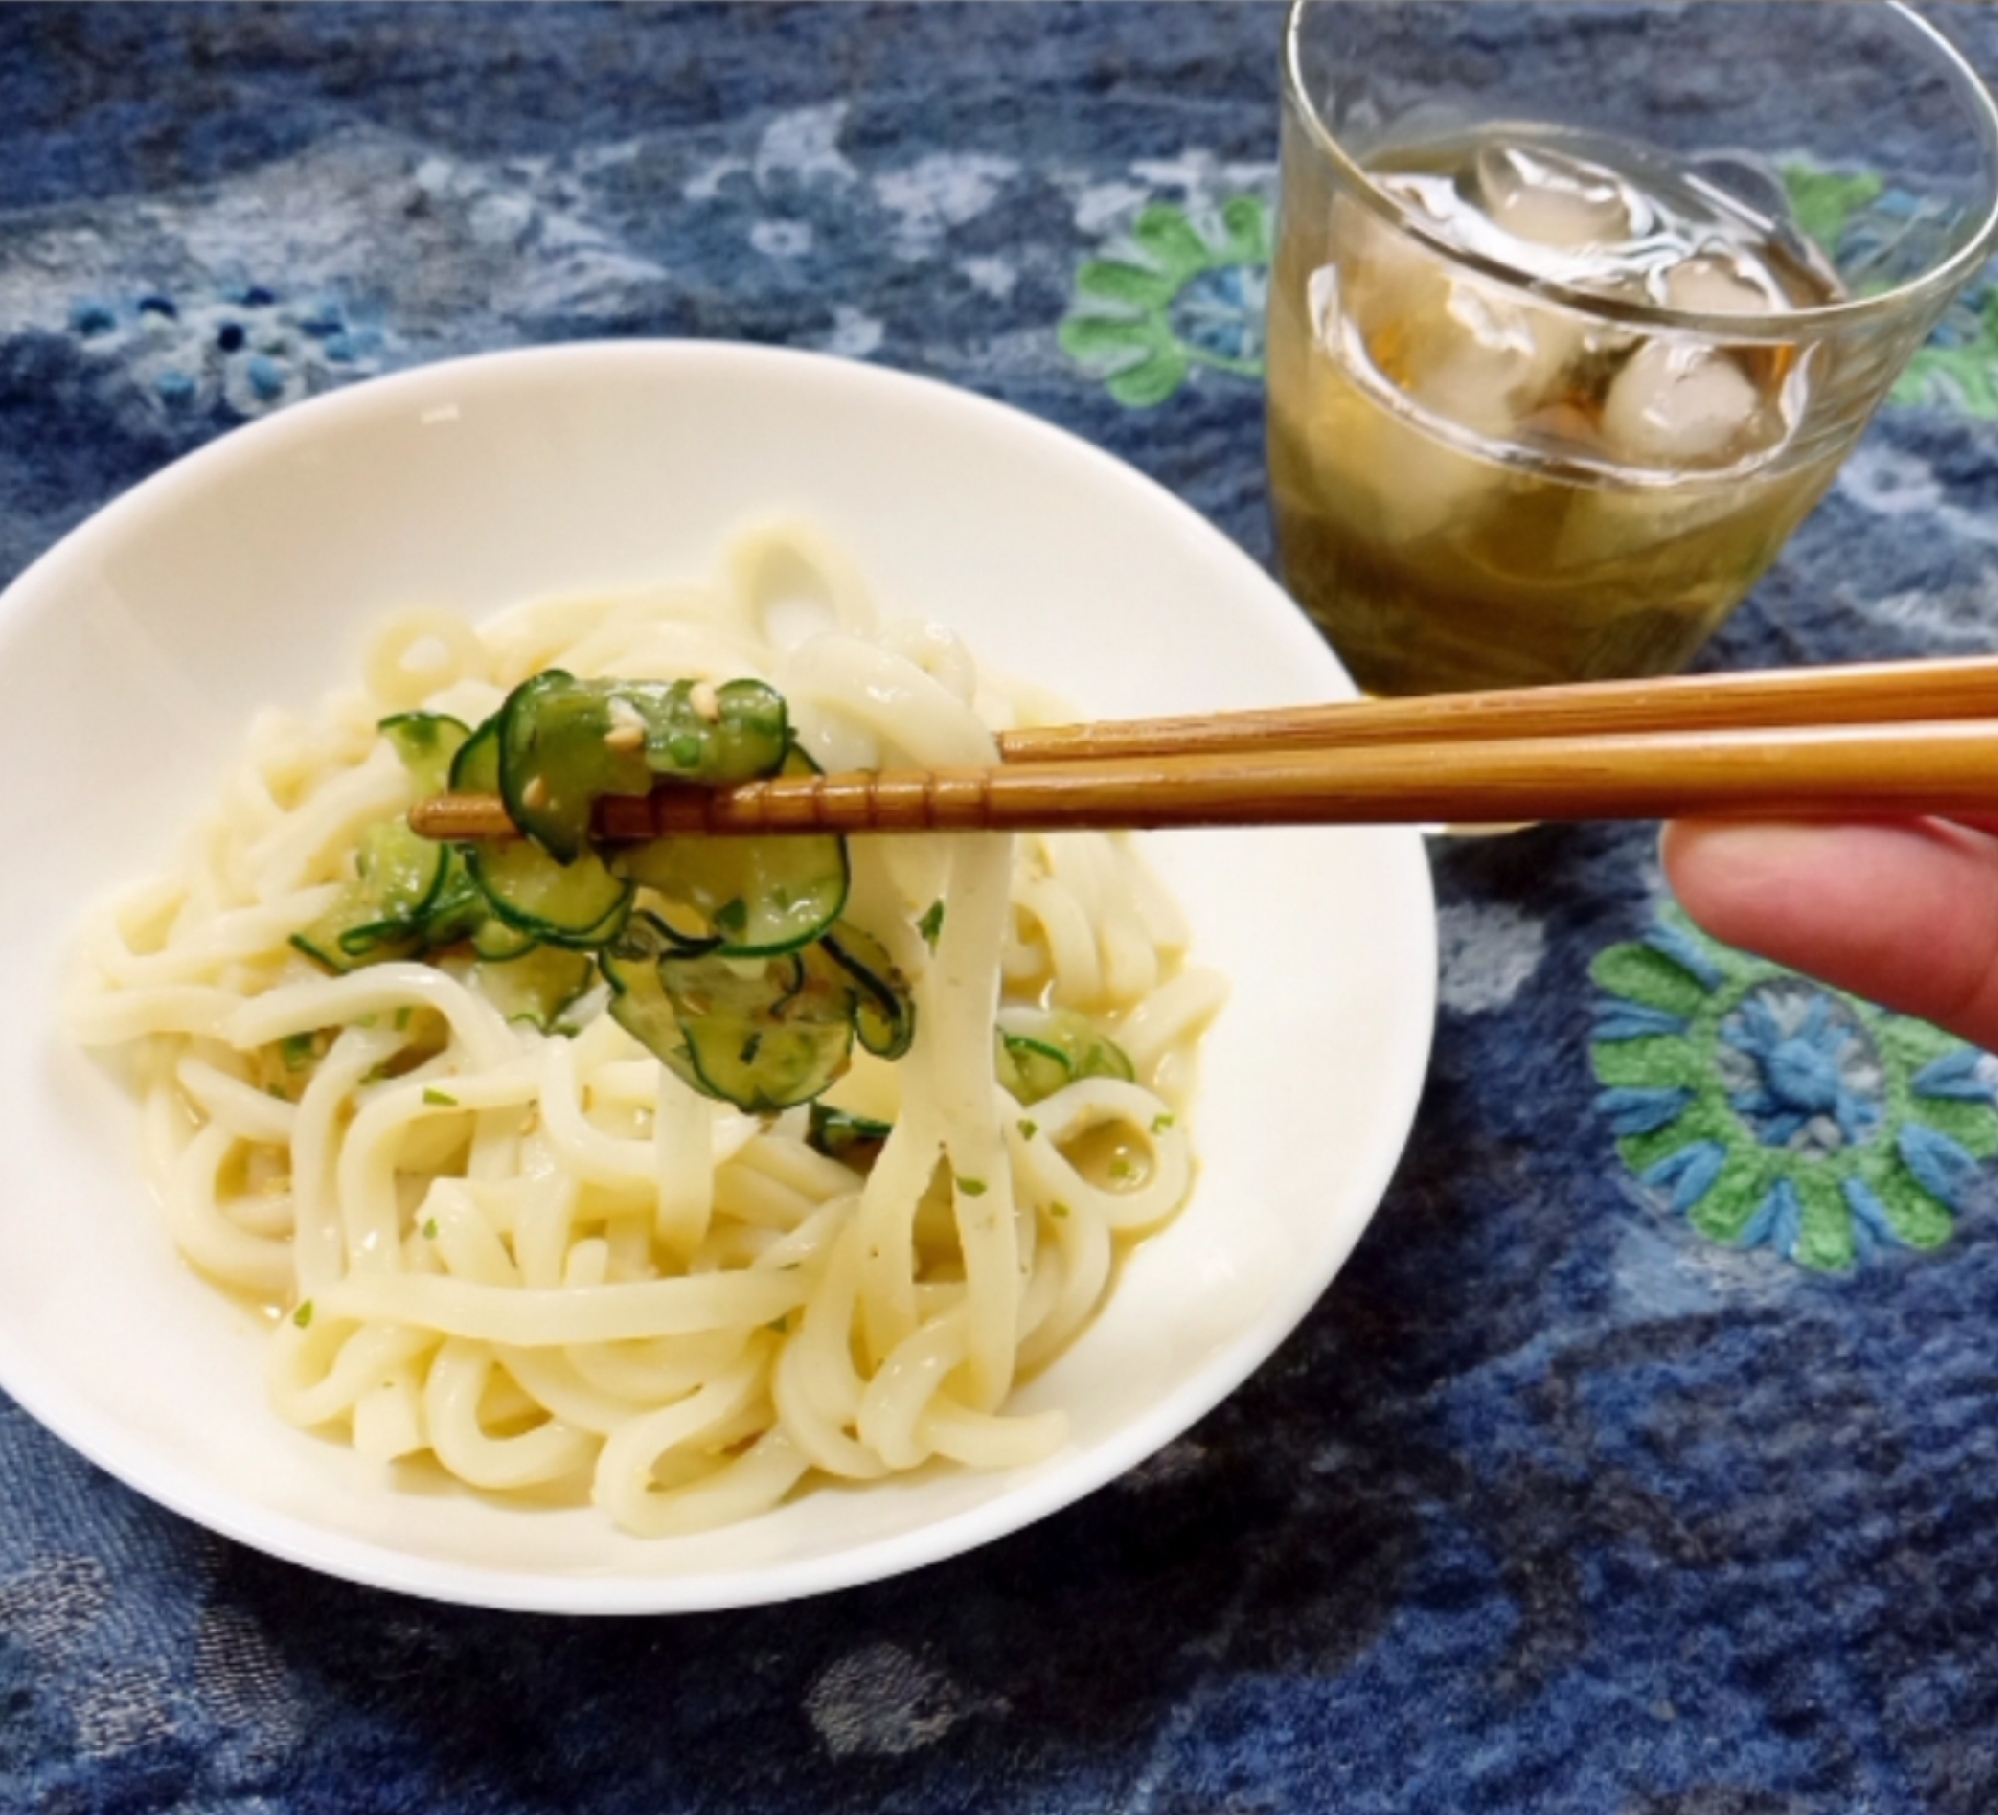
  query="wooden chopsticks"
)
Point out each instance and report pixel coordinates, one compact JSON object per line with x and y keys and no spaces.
{"x":1886,"y":738}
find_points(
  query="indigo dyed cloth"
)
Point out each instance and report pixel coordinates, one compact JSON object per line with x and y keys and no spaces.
{"x":1643,"y":1461}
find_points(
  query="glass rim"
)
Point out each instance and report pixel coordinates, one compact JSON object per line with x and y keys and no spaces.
{"x":1936,"y":284}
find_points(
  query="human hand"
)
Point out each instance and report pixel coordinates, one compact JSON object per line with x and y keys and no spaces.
{"x":1903,"y":913}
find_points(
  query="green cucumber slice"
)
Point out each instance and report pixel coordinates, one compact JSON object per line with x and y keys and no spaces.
{"x":380,"y":914}
{"x":632,"y":959}
{"x":684,"y":926}
{"x":536,"y":985}
{"x":766,"y":1058}
{"x":748,"y":897}
{"x":1030,"y":1069}
{"x":884,"y":1011}
{"x":351,"y":933}
{"x":842,"y":1135}
{"x":427,"y":742}
{"x":475,"y":768}
{"x":402,"y":869}
{"x":747,"y":734}
{"x":638,"y":999}
{"x":1040,"y":1051}
{"x":458,"y":909}
{"x":495,"y":941}
{"x":557,"y":754}
{"x":761,"y":1034}
{"x":577,"y":904}
{"x":565,"y":743}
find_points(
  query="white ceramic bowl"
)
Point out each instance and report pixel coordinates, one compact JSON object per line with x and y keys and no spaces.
{"x":131,"y":659}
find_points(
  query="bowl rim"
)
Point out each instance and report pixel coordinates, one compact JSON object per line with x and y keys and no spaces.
{"x":158,"y":1476}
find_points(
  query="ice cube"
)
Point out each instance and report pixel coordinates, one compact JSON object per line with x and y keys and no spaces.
{"x":1487,"y":360}
{"x":1470,"y":350}
{"x":1717,"y":284}
{"x":1394,"y":481}
{"x":1551,"y":200}
{"x":1386,"y":275}
{"x":1678,"y":404}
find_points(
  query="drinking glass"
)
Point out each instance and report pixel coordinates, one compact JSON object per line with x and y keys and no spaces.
{"x":1576,"y":308}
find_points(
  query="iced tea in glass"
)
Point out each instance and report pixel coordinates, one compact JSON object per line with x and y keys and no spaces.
{"x":1554,"y":368}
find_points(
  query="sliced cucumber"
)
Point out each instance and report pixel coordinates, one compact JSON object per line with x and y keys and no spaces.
{"x":458,"y":909}
{"x":723,"y":956}
{"x":351,"y":933}
{"x":380,"y":914}
{"x":427,"y":742}
{"x":1030,"y":1069}
{"x":1091,"y":1053}
{"x":884,"y":1012}
{"x":685,"y":926}
{"x":711,"y":736}
{"x":558,"y":752}
{"x":495,"y":941}
{"x":748,"y":897}
{"x":1039,"y":1051}
{"x":632,"y":958}
{"x":565,"y":743}
{"x":537,"y":985}
{"x":577,"y":904}
{"x":842,"y":1135}
{"x":475,"y":769}
{"x":761,"y":1034}
{"x":402,"y":869}
{"x":638,"y":999}
{"x":762,"y":1042}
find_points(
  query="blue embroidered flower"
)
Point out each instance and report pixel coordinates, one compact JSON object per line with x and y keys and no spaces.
{"x":240,"y":351}
{"x":1770,"y":1110}
{"x":1803,"y":1071}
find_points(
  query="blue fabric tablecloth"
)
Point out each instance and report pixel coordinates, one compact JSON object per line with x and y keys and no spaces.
{"x":1644,"y":1460}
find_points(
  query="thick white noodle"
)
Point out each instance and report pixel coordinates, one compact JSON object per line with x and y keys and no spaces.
{"x":544,"y":1262}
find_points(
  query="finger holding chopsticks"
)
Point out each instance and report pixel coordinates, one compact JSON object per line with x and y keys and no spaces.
{"x":1902,"y":912}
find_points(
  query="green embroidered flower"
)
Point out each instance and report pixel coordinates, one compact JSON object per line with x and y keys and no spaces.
{"x":1958,"y":369}
{"x":1769,"y":1109}
{"x":1854,"y":215}
{"x":1141,"y":323}
{"x":1822,"y":201}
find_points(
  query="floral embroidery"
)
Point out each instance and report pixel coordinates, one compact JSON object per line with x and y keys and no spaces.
{"x":1958,"y":369}
{"x":1822,"y":201}
{"x":1852,"y":213}
{"x":243,"y":351}
{"x":1770,"y":1110}
{"x":1173,"y":300}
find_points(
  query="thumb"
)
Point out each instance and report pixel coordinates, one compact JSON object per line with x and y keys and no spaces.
{"x":1902,"y":913}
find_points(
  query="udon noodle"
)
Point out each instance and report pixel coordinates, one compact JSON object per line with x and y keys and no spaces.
{"x":539,"y":1258}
